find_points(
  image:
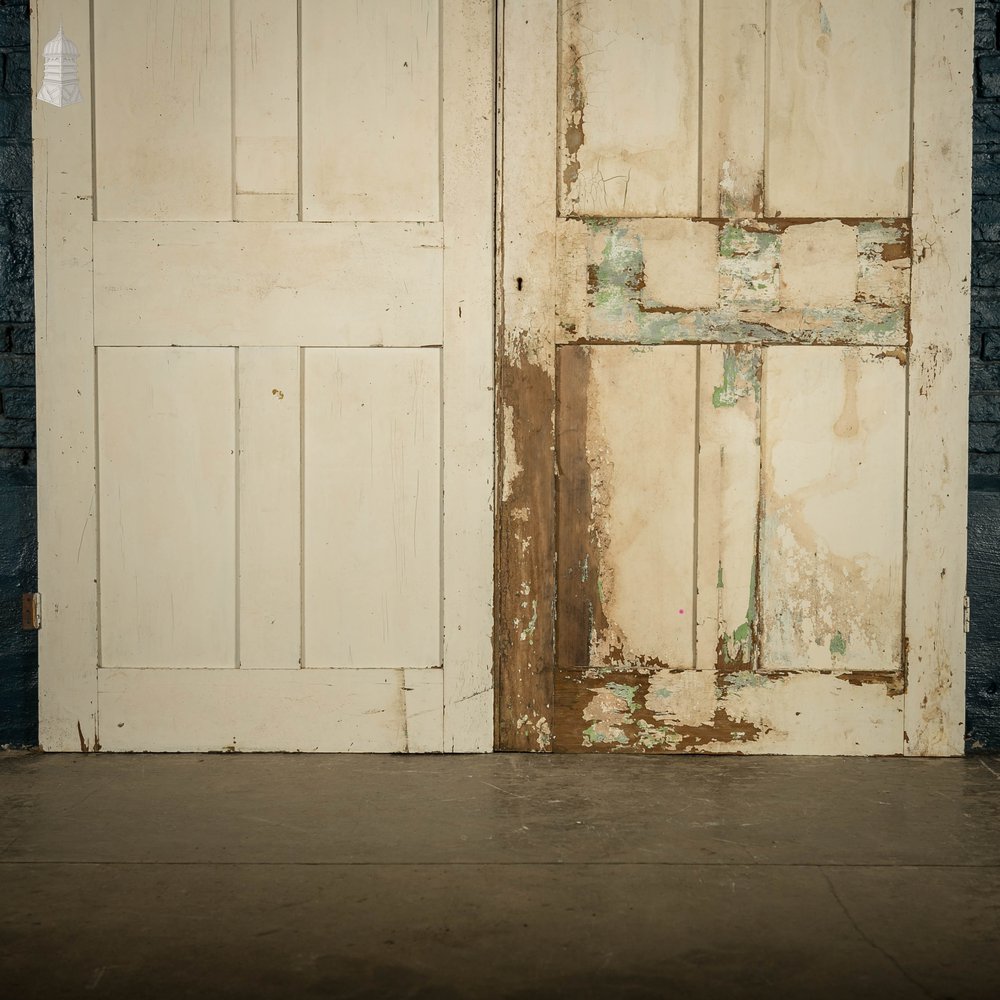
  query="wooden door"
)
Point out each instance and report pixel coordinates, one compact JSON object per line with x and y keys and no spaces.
{"x":733,"y":379}
{"x":264,"y":261}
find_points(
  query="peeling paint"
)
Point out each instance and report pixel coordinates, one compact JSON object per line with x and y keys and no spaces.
{"x":617,"y":306}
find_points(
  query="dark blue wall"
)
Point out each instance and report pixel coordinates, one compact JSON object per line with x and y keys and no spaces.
{"x":18,"y":542}
{"x":18,"y":536}
{"x":983,"y":679}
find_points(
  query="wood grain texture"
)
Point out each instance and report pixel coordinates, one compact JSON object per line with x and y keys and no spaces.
{"x":260,"y":284}
{"x":469,"y":117}
{"x":291,"y":711}
{"x":838,"y":108}
{"x":938,"y":387}
{"x":270,"y":585}
{"x":732,"y":92}
{"x":166,"y":421}
{"x":372,"y":508}
{"x":62,"y":182}
{"x":265,"y":110}
{"x":629,"y":108}
{"x":525,"y":584}
{"x":370,"y":110}
{"x":163,"y":109}
{"x":831,"y":536}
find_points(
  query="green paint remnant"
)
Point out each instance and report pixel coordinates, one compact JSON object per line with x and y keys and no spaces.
{"x":824,"y":22}
{"x":740,"y":377}
{"x":528,"y":632}
{"x":736,"y":645}
{"x":592,"y":735}
{"x":718,"y":583}
{"x":600,"y":591}
{"x":838,"y":645}
{"x":626,"y":692}
{"x":744,"y":679}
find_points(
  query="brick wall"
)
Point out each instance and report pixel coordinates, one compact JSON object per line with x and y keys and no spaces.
{"x":18,"y":541}
{"x":984,"y":408}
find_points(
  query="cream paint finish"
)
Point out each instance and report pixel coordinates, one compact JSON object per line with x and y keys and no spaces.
{"x":267,"y":405}
{"x":827,"y":411}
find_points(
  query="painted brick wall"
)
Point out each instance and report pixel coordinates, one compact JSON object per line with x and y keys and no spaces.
{"x":18,"y":541}
{"x":983,"y":678}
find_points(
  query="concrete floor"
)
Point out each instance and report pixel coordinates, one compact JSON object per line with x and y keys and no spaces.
{"x":505,"y":876}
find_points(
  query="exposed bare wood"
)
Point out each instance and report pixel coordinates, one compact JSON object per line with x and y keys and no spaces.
{"x":525,"y":590}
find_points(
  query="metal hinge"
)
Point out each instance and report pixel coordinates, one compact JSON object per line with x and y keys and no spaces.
{"x":967,"y":617}
{"x":31,"y":612}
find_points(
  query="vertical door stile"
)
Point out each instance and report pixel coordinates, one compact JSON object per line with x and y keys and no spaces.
{"x":468,"y":123}
{"x":937,"y":459}
{"x":63,"y":184}
{"x":524,"y":635}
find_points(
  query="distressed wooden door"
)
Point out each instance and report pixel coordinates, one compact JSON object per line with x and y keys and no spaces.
{"x":264,"y":261}
{"x":733,"y":381}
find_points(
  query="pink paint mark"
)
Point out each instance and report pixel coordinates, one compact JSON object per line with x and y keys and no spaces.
{"x":681,"y":611}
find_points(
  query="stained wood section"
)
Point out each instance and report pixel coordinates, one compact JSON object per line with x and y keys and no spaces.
{"x":728,"y":711}
{"x":831,"y":547}
{"x":64,"y":374}
{"x":732,"y":130}
{"x":270,"y":600}
{"x":329,"y":711}
{"x":629,"y":108}
{"x":467,"y":378}
{"x":163,"y":109}
{"x":372,"y":507}
{"x":938,"y":386}
{"x":259,"y":284}
{"x":839,"y":108}
{"x":166,"y":422}
{"x":370,"y":110}
{"x":671,"y":281}
{"x":634,"y":484}
{"x":729,"y":405}
{"x":265,"y":110}
{"x":525,"y":585}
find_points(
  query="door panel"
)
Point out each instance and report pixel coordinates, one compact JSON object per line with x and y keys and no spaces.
{"x":372,"y":507}
{"x":709,"y":329}
{"x":167,"y":500}
{"x":287,"y":461}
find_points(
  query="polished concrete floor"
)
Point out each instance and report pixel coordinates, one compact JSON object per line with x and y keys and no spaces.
{"x":505,"y":876}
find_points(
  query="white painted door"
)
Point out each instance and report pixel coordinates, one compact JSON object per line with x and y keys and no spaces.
{"x":264,"y":289}
{"x":737,"y":322}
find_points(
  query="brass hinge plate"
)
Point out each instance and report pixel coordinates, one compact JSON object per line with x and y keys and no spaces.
{"x":31,"y":612}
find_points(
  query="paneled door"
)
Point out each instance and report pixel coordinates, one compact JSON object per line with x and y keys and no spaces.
{"x":733,"y":376}
{"x":264,"y":250}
